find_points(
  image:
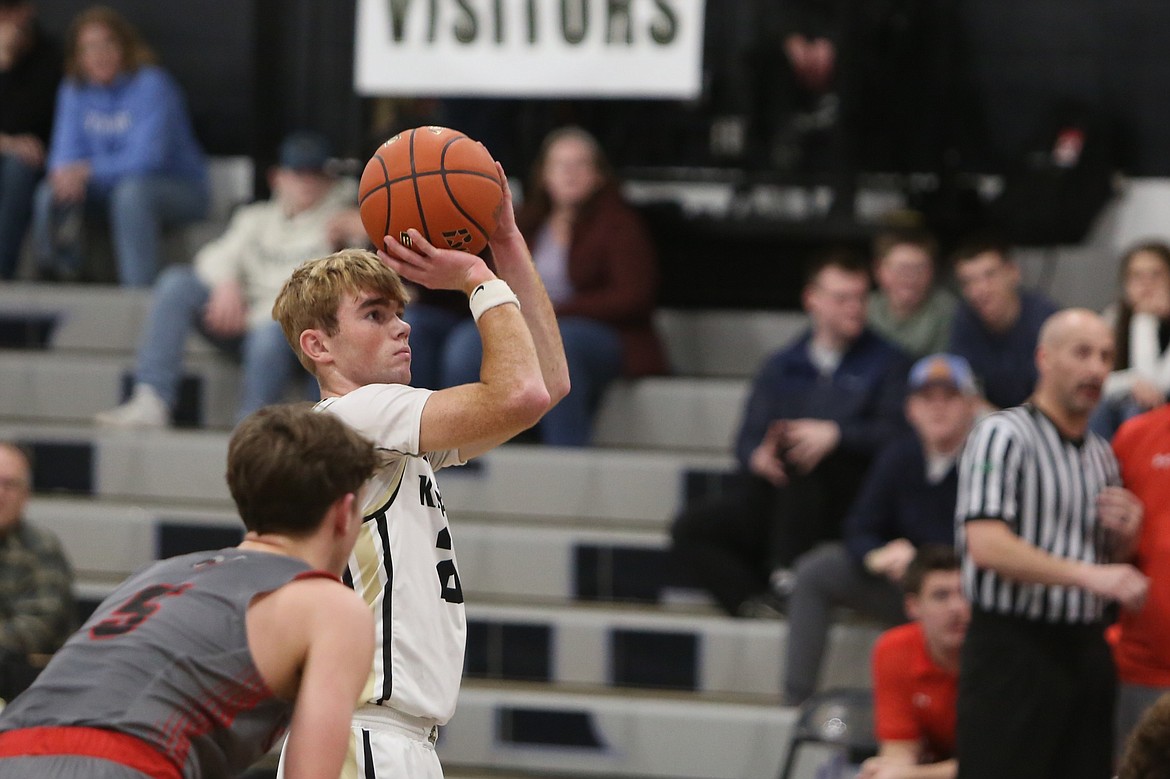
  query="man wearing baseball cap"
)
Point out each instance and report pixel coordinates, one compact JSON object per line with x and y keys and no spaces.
{"x":228,"y":292}
{"x":908,"y":500}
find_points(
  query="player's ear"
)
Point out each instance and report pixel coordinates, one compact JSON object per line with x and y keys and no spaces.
{"x":343,"y":514}
{"x":315,"y":345}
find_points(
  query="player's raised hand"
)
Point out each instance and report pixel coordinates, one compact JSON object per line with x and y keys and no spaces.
{"x":509,"y":250}
{"x":506,"y":225}
{"x":432,"y":267}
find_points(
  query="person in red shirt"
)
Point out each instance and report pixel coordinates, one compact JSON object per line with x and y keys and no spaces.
{"x":1142,"y":647}
{"x":916,"y":674}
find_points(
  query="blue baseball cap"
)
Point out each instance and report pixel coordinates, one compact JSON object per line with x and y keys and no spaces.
{"x":946,"y":369}
{"x":305,"y":152}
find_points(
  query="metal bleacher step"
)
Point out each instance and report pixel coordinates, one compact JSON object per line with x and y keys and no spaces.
{"x":72,"y":350}
{"x":95,"y":318}
{"x":722,"y":342}
{"x":602,"y":646}
{"x":70,"y":386}
{"x":677,"y":413}
{"x":536,"y":559}
{"x":521,"y":480}
{"x":89,"y":318}
{"x":563,"y":731}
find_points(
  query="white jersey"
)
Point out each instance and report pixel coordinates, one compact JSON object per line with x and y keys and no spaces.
{"x":403,"y":564}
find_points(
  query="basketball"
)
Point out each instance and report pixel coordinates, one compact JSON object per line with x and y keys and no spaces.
{"x":436,"y":180}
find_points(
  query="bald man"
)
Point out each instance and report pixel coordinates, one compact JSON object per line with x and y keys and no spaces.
{"x":1044,"y":530}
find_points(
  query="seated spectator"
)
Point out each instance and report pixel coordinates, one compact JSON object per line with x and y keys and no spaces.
{"x":916,"y":674}
{"x":30,"y":69}
{"x":1141,"y":650}
{"x":123,"y":148}
{"x":598,"y":262}
{"x":907,"y":308}
{"x":36,"y":583}
{"x":997,"y":324}
{"x":819,"y":409}
{"x":228,"y":295}
{"x":908,"y":500}
{"x":1141,"y":327}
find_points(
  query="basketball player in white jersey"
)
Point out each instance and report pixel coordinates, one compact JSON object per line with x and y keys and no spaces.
{"x":342,"y":314}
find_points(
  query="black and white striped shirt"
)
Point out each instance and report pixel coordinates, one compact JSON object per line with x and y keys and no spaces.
{"x":1017,"y":467}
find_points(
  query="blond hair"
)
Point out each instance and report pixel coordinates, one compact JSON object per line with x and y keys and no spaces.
{"x":311,"y":296}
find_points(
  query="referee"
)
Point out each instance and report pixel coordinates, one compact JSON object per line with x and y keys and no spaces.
{"x":1042,"y":528}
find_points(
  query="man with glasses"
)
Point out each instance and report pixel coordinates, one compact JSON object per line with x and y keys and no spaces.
{"x":36,"y":596}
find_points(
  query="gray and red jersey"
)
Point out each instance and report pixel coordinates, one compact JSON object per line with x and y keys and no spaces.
{"x":160,"y":677}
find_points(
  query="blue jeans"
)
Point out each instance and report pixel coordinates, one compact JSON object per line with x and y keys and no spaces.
{"x":18,"y":181}
{"x":138,"y":208}
{"x":268,"y":362}
{"x":594,"y":353}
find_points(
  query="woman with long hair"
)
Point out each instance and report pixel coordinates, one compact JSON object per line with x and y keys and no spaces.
{"x":122,"y":148}
{"x":1141,"y":376}
{"x":598,"y":261}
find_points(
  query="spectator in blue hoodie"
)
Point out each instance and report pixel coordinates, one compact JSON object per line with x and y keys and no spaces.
{"x":122,"y":147}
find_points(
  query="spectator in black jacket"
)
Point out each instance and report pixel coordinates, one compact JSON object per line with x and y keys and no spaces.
{"x":30,"y":68}
{"x":819,"y":409}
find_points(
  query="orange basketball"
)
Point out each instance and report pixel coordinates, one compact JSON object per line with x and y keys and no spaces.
{"x":436,"y":180}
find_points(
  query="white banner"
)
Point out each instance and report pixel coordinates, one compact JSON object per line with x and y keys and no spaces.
{"x":532,"y":48}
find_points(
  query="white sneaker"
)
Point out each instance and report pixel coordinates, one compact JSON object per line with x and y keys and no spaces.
{"x":145,"y":409}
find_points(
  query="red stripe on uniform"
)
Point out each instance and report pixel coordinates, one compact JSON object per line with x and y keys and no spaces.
{"x":89,"y":742}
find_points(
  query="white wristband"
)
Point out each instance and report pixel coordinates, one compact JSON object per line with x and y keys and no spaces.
{"x":489,"y":295}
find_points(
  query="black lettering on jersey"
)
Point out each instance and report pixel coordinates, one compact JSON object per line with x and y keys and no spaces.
{"x":450,"y":589}
{"x":449,"y":581}
{"x":428,"y":494}
{"x":135,"y":610}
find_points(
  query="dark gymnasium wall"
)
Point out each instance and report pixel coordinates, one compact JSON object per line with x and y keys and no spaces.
{"x":252,"y":69}
{"x":255,"y":68}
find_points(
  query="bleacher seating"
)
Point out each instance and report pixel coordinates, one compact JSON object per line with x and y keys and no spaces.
{"x":231,"y":180}
{"x":588,"y":653}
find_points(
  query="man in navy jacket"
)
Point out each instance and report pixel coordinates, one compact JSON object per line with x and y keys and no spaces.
{"x":996,"y":327}
{"x":818,"y":411}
